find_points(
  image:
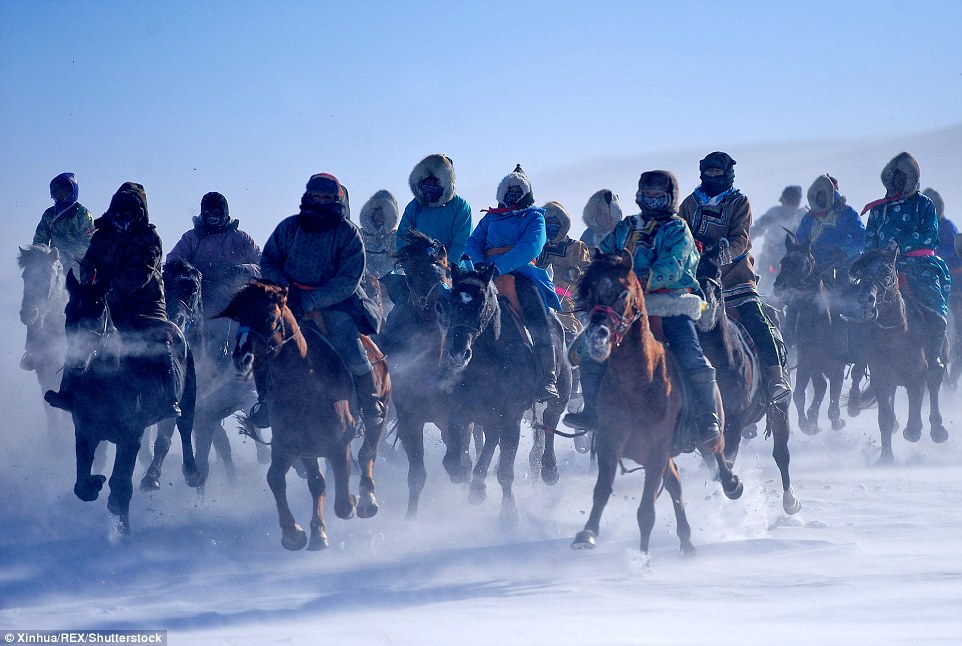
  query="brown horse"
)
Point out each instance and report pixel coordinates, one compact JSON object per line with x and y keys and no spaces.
{"x":310,"y":399}
{"x":892,"y":330}
{"x":640,"y":400}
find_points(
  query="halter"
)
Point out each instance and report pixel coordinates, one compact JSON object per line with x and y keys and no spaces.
{"x":621,"y":323}
{"x":272,"y":348}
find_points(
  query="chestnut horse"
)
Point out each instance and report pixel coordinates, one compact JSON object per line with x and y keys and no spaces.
{"x":640,"y":399}
{"x":892,"y":330}
{"x":310,"y":402}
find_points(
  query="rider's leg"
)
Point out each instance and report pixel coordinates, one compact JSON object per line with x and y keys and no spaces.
{"x":536,"y":319}
{"x":683,"y":343}
{"x":344,"y":336}
{"x":763,"y":334}
{"x":592,"y":373}
{"x":259,"y":414}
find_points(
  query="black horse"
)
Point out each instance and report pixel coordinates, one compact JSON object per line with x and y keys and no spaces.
{"x":219,"y":393}
{"x":743,"y":398}
{"x":42,"y":311}
{"x":490,"y":369}
{"x":818,"y":333}
{"x":111,"y":396}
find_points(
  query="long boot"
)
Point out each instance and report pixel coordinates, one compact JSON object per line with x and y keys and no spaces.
{"x":704,"y":391}
{"x":934,"y":344}
{"x":166,"y":405}
{"x":63,"y":399}
{"x":779,"y":390}
{"x":544,"y":357}
{"x":591,"y":375}
{"x":259,"y":414}
{"x":368,"y":398}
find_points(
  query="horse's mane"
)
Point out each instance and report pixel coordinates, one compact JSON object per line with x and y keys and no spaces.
{"x":867,"y":258}
{"x":32,"y":252}
{"x":601,"y":265}
{"x":417,"y":244}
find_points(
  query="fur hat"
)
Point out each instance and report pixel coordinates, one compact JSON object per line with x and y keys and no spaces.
{"x":937,"y":200}
{"x":602,"y":202}
{"x":909,"y":166}
{"x":663,"y":180}
{"x":214,"y":202}
{"x":129,"y":194}
{"x":436,"y":165}
{"x":822,"y":184}
{"x":554,"y":209}
{"x":717,"y":159}
{"x":384,"y":201}
{"x":516,"y":178}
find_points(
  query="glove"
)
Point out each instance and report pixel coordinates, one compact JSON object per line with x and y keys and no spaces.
{"x":295,"y":302}
{"x":724,"y":252}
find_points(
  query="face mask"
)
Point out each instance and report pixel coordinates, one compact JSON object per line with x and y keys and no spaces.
{"x":659,"y":203}
{"x":214,"y":221}
{"x":513,"y":195}
{"x":123,"y":220}
{"x":552,"y":228}
{"x":431,"y":193}
{"x":716,"y":185}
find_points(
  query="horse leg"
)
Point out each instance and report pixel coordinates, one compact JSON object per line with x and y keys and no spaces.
{"x":683,"y":529}
{"x":316,"y":484}
{"x":801,"y":384}
{"x":777,"y":420}
{"x":937,"y":431}
{"x":818,"y":385}
{"x":549,"y":463}
{"x":192,"y":475}
{"x":222,"y":448}
{"x":367,"y":503}
{"x":855,"y":393}
{"x":204,"y":432}
{"x":510,"y":438}
{"x":345,"y":503}
{"x":733,"y":437}
{"x":646,"y":509}
{"x":607,"y":467}
{"x":477,"y":492}
{"x":411,"y":432}
{"x":88,"y":486}
{"x":537,"y":445}
{"x":292,"y":536}
{"x":913,"y":427}
{"x":456,"y":460}
{"x":151,"y":479}
{"x":836,"y":375}
{"x":885,"y":394}
{"x":122,"y":486}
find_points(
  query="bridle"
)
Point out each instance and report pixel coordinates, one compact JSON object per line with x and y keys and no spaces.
{"x":621,"y":323}
{"x":277,"y":329}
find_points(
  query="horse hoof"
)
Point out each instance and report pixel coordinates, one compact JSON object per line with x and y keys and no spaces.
{"x":318,"y":542}
{"x":456,"y":471}
{"x":89,"y":490}
{"x":194,"y":479}
{"x":688,"y":550}
{"x":368,"y":508}
{"x":809,"y":428}
{"x":735,"y":489}
{"x":854,"y":406}
{"x":939,"y":434}
{"x":886,"y":459}
{"x":912,"y":434}
{"x":584,"y":540}
{"x":549,"y":474}
{"x":582,"y":443}
{"x":750,"y":432}
{"x":149,"y":483}
{"x":122,"y":526}
{"x":509,"y":515}
{"x":113,"y":505}
{"x":296,"y":542}
{"x":838,"y":424}
{"x":478,"y":493}
{"x":346,"y":512}
{"x":790,"y":503}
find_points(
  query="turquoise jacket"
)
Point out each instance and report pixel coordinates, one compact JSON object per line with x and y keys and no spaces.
{"x":524,"y":233}
{"x":449,"y":224}
{"x":663,"y":251}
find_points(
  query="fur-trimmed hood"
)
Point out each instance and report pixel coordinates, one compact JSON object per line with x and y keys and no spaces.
{"x":603,"y":201}
{"x":937,"y":200}
{"x":199,"y":225}
{"x":908,"y":165}
{"x":518,"y":178}
{"x":822,"y":184}
{"x":555,"y":209}
{"x":660,"y":179}
{"x":384,"y":201}
{"x":436,"y":165}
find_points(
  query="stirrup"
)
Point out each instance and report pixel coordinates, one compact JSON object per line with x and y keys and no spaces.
{"x":259,"y":415}
{"x":582,"y":420}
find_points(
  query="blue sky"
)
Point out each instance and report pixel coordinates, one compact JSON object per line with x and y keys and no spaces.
{"x":250,"y":98}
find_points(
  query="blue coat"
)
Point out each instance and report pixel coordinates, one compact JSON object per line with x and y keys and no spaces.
{"x":839,"y":230}
{"x":946,"y":249}
{"x":449,"y":224}
{"x":522,"y":231}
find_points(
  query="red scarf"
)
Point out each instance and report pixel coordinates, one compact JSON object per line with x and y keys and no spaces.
{"x":884,"y":200}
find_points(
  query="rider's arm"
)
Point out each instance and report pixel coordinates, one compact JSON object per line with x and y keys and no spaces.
{"x":476,"y":243}
{"x":350,"y":267}
{"x":460,"y":228}
{"x":674,"y":249}
{"x":274,"y":255}
{"x":529,"y":245}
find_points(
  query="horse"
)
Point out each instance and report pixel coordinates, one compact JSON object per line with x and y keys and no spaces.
{"x":310,"y":401}
{"x":892,"y":330}
{"x":815,"y":329}
{"x":745,"y":402}
{"x":488,"y":366}
{"x":42,"y":311}
{"x":219,"y":392}
{"x":110,"y":397}
{"x":639,"y":402}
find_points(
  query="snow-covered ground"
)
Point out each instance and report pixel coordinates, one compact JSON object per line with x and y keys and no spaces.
{"x":872,"y":558}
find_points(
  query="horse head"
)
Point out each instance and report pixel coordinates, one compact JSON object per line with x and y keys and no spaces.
{"x":264,"y":322}
{"x":709,"y":275}
{"x":609,"y":300}
{"x":798,"y":271}
{"x":182,"y":289}
{"x":425,"y":265}
{"x":466,"y":312}
{"x":875,"y":275}
{"x":43,"y":282}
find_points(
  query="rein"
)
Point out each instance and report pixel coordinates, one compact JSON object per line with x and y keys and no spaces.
{"x":621,"y":323}
{"x":268,"y":339}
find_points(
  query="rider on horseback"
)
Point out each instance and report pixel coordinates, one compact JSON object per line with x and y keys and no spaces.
{"x":124,"y":261}
{"x":833,"y":228}
{"x":66,"y":226}
{"x":319,"y":255}
{"x":719,"y":214}
{"x":665,"y":260}
{"x":908,"y":219}
{"x":567,"y":257}
{"x":512,"y":236}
